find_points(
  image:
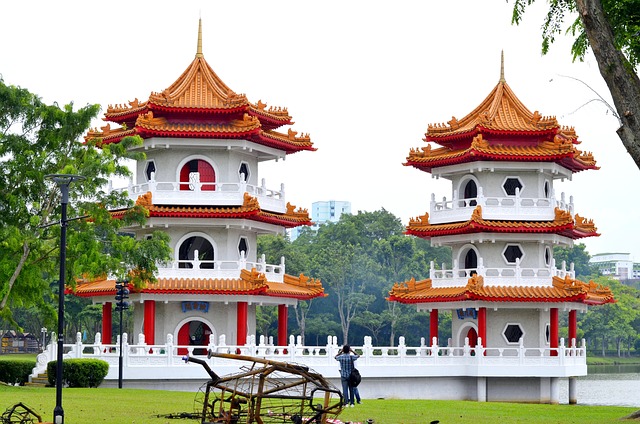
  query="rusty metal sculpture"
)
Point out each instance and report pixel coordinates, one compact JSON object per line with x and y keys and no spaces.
{"x":267,"y":392}
{"x":20,"y":414}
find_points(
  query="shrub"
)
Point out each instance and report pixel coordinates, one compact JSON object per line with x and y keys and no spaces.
{"x":79,"y":372}
{"x":16,"y":371}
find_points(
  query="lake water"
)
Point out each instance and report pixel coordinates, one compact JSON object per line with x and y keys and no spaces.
{"x":614,"y":385}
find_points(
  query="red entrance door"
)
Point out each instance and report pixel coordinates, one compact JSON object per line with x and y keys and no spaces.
{"x":193,"y":333}
{"x":207,"y":175}
{"x":473,"y":339}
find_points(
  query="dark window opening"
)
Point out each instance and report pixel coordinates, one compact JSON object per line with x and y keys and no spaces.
{"x":510,"y":185}
{"x":513,"y":333}
{"x":243,"y":246}
{"x":151,"y":167}
{"x":512,"y":253}
{"x":244,"y":169}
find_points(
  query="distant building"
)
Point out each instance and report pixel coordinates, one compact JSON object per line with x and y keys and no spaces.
{"x":616,"y":265}
{"x":321,"y":212}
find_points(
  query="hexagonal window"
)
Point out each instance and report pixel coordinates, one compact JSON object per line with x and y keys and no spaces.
{"x":512,"y":333}
{"x":244,"y":169}
{"x":511,"y":184}
{"x":512,"y":252}
{"x":150,"y":169}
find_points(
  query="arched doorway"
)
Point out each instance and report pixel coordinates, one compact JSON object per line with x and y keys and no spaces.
{"x":197,"y":171}
{"x":471,"y":192}
{"x":472,"y":334}
{"x":194,"y":333}
{"x":188,"y":249}
{"x":471,"y":261}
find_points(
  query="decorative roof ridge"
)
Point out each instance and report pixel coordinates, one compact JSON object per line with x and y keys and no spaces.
{"x":411,"y":285}
{"x":303,"y":281}
{"x":247,"y":123}
{"x":122,"y":109}
{"x":561,"y":218}
{"x":290,"y":136}
{"x":274,"y":112}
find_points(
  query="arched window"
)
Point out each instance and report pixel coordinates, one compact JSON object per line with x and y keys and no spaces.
{"x":188,"y":248}
{"x":197,"y":171}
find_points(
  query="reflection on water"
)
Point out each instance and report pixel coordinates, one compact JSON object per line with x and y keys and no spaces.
{"x":614,"y":385}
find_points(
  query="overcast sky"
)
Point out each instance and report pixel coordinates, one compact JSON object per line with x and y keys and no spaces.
{"x":364,"y":78}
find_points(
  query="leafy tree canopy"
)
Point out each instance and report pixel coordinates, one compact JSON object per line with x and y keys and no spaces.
{"x":36,"y":140}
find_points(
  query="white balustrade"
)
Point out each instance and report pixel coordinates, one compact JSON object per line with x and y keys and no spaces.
{"x":158,"y":361}
{"x":196,"y":268}
{"x":515,"y":275}
{"x":509,"y":207}
{"x":196,"y":193}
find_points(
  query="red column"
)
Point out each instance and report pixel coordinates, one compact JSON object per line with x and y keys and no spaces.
{"x":433,"y":326}
{"x":107,"y":319}
{"x":553,"y":330}
{"x":242,"y":323}
{"x":282,"y":325}
{"x":150,"y":321}
{"x":482,"y":325}
{"x":573,"y":326}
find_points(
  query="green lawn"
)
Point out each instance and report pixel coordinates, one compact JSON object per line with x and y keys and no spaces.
{"x":91,"y":406}
{"x":18,"y":356}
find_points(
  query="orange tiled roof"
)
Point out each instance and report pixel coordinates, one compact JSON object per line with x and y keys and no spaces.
{"x":250,"y":209}
{"x":562,"y":224}
{"x":249,"y":283}
{"x":200,"y":105}
{"x":561,"y":290}
{"x":561,"y":150}
{"x":148,"y":126}
{"x":501,"y":110}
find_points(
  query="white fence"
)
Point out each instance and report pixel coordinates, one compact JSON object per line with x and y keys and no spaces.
{"x":164,"y":361}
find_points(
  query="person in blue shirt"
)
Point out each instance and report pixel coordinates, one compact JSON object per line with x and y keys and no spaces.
{"x":346,"y":357}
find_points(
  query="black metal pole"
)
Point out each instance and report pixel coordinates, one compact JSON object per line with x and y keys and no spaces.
{"x":120,"y":357}
{"x":58,"y":412}
{"x":63,"y":181}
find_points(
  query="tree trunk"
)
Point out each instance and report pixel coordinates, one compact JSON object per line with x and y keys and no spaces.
{"x":617,"y":72}
{"x":23,"y":259}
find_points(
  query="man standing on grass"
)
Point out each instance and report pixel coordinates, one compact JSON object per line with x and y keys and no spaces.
{"x":346,"y":360}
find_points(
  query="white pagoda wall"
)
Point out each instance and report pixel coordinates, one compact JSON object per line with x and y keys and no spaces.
{"x":221,"y":319}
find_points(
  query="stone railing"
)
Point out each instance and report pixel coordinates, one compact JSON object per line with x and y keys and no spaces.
{"x":195,"y":193}
{"x":165,"y":361}
{"x":506,"y":276}
{"x":508,"y":207}
{"x":196,"y":268}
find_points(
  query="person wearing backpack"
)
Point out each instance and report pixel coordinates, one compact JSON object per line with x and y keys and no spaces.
{"x":346,"y":357}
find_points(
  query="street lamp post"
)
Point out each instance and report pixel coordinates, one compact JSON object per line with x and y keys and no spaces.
{"x":122,"y":293}
{"x":63,"y":181}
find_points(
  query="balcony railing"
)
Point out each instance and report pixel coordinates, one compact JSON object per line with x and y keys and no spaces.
{"x":196,"y":193}
{"x":507,"y":276}
{"x":509,"y":207}
{"x":196,"y":268}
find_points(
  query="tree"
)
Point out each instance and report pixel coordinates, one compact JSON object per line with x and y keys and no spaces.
{"x":579,"y":257}
{"x":611,"y":28}
{"x":37,"y":139}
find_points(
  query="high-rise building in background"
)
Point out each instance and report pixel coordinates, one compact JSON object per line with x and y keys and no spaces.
{"x":321,"y":212}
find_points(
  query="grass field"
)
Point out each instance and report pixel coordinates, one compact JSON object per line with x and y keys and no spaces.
{"x":91,"y":406}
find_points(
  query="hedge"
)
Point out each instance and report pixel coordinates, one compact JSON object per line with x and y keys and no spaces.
{"x":79,"y":372}
{"x":16,"y":371}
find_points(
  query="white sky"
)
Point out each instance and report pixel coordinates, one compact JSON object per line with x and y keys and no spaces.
{"x":364,"y":78}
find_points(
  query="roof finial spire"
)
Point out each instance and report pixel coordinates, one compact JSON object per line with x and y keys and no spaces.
{"x":199,"y":51}
{"x":502,"y":67}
